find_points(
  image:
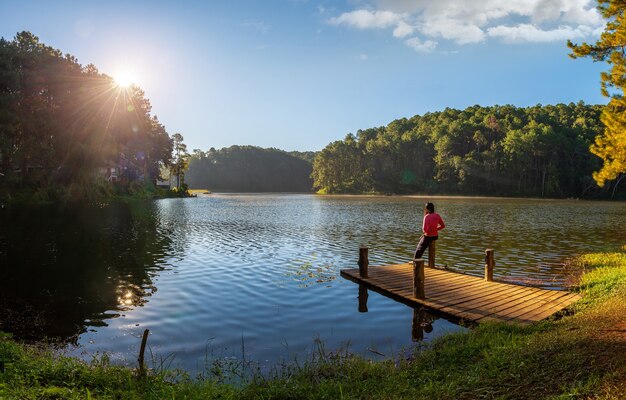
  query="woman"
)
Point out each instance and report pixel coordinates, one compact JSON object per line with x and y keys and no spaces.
{"x":431,"y":226}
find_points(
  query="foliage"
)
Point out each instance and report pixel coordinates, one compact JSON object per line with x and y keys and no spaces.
{"x":308,"y":156}
{"x":611,"y":47}
{"x":248,"y":169}
{"x":499,"y":150}
{"x":180,"y":163}
{"x":64,"y":126}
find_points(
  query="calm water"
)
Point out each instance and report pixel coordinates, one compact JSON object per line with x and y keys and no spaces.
{"x":257,"y":276}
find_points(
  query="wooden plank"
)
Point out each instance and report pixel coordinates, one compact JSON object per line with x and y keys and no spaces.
{"x":495,"y":292}
{"x":486,"y":297}
{"x":456,"y":282}
{"x":430,"y":280}
{"x":480,"y":284}
{"x":464,"y":296}
{"x":538,"y":313}
{"x":406,"y":270}
{"x":397,"y":273}
{"x":390,"y":273}
{"x":391,"y":270}
{"x":436,"y":285}
{"x":386,"y":280}
{"x":531,"y":302}
{"x":477,"y":309}
{"x":460,"y":296}
{"x":404,"y":299}
{"x":548,"y":309}
{"x":501,"y":306}
{"x":433,"y":291}
{"x":408,"y":267}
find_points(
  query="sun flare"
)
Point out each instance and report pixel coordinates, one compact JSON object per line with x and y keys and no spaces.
{"x":124,"y":78}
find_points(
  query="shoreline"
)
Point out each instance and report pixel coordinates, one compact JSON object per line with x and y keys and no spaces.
{"x":579,"y":353}
{"x":406,"y":196}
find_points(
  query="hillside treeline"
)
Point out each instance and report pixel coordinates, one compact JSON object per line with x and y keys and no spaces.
{"x":499,"y":150}
{"x":67,"y":131}
{"x":250,"y":169}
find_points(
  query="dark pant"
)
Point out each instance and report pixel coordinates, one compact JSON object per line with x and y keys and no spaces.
{"x":423,"y":245}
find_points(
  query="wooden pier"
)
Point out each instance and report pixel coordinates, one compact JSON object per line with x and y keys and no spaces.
{"x":462,"y":296}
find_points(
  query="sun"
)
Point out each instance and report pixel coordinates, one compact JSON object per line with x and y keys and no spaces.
{"x":123,"y":78}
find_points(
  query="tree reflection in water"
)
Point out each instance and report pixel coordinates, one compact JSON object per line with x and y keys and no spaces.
{"x":65,"y":269}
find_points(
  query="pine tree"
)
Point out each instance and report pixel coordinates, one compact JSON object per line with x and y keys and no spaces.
{"x":181,"y":159}
{"x":611,"y":47}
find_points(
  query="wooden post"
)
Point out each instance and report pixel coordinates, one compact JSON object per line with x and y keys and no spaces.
{"x":417,"y":330}
{"x":363,"y":295}
{"x":363,"y":261}
{"x":489,"y":264}
{"x":418,"y":278}
{"x":142,"y":350}
{"x":432,"y":249}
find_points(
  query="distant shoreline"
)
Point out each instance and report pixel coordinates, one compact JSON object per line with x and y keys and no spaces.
{"x":379,"y":195}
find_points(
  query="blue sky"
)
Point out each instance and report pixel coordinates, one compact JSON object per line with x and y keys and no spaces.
{"x":298,"y":74}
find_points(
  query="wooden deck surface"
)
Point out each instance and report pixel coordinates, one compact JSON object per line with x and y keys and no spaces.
{"x":464,"y":296}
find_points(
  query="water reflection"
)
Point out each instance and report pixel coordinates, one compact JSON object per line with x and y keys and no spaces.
{"x":66,"y":269}
{"x":363,"y":296}
{"x":422,"y":322}
{"x":262,"y":269}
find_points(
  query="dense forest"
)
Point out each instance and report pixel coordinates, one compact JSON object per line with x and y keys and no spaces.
{"x":69,"y":132}
{"x":499,"y":150}
{"x":250,"y":169}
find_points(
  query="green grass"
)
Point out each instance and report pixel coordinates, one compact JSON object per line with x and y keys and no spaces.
{"x":582,"y":354}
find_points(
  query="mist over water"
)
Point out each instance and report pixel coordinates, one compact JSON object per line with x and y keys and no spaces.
{"x":257,"y":276}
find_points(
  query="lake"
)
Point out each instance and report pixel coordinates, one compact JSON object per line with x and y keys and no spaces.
{"x":256,"y":276}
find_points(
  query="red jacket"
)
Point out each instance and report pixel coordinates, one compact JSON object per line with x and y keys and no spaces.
{"x":432,"y":224}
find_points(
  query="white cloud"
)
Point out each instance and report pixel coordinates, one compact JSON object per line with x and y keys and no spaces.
{"x":453,"y":29}
{"x":530,"y":33}
{"x":465,"y":22}
{"x":423,"y":47}
{"x":365,"y":19}
{"x":363,"y":57}
{"x":403,"y":29}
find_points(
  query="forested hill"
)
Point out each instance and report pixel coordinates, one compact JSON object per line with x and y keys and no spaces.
{"x":250,"y":169}
{"x":69,"y":132}
{"x":499,"y":150}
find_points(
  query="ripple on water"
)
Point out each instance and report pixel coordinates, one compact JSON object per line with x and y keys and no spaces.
{"x":217,"y":271}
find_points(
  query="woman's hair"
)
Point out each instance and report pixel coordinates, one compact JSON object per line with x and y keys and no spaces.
{"x":430,"y":207}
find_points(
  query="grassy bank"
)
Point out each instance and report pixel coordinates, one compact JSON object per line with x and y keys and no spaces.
{"x":581,"y":355}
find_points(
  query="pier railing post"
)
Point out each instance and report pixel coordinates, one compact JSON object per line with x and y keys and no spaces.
{"x":418,"y":278}
{"x":363,"y":261}
{"x":432,"y":249}
{"x":489,"y":264}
